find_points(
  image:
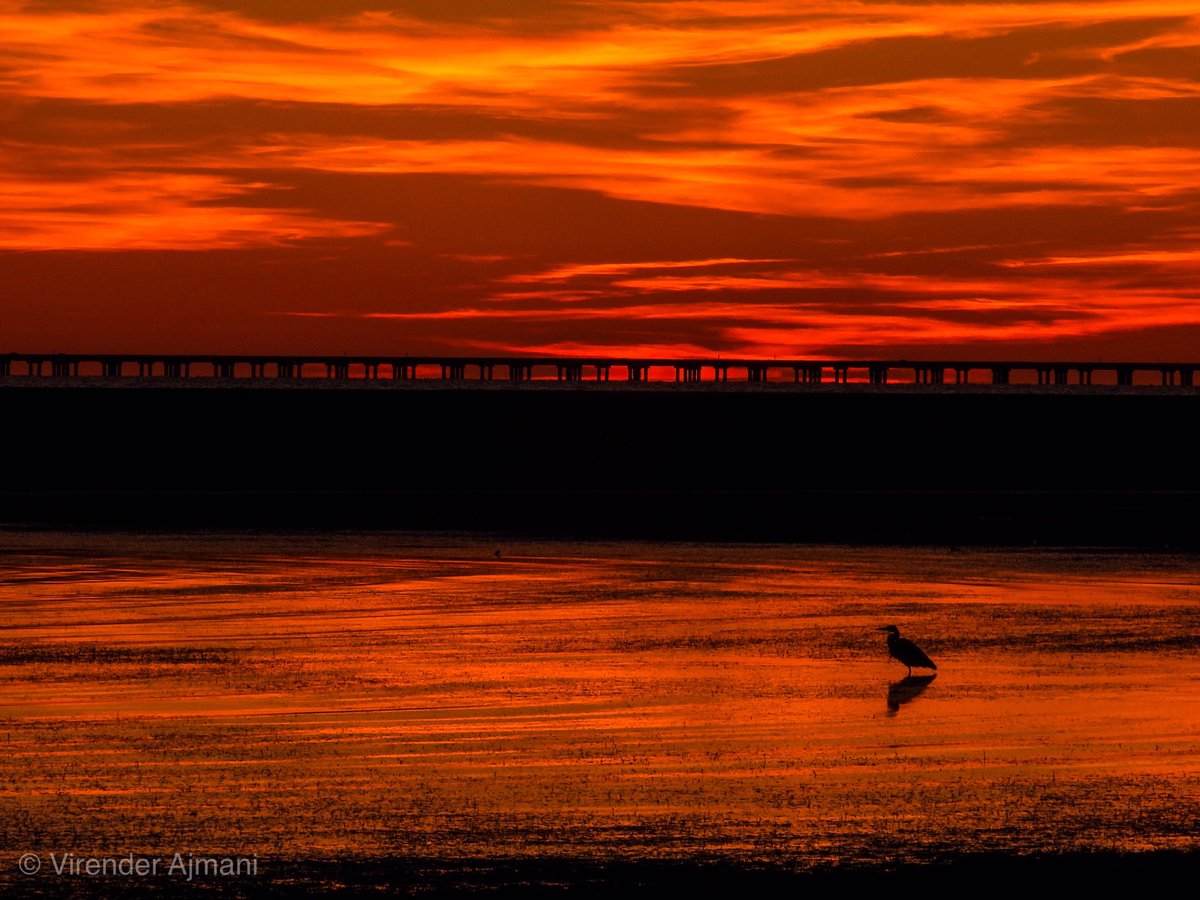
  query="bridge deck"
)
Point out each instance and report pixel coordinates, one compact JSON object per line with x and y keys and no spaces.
{"x":594,"y":369}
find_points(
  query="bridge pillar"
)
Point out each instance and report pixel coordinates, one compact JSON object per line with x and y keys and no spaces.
{"x":1187,"y":377}
{"x":1000,"y":374}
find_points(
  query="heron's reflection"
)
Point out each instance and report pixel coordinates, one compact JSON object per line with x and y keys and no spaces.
{"x":906,"y":690}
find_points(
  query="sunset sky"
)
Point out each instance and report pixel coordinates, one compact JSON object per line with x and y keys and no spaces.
{"x":744,"y":177}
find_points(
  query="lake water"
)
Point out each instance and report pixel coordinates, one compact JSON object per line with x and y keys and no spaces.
{"x":449,"y":697}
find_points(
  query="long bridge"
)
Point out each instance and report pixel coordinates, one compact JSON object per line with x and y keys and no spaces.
{"x":591,"y":368}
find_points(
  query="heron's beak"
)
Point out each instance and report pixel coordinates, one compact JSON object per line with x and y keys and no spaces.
{"x":883,"y":629}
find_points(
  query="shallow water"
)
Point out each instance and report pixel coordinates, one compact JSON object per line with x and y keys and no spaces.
{"x":449,"y":697}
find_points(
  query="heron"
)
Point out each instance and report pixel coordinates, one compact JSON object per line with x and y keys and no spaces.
{"x":906,"y":651}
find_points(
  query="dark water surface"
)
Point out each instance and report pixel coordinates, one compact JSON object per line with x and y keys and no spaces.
{"x":442,"y":697}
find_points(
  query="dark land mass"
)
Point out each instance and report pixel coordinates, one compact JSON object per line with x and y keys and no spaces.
{"x":1018,"y":465}
{"x":963,"y":875}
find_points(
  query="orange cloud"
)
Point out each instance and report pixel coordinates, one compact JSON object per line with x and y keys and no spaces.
{"x":1171,"y":258}
{"x":151,"y":211}
{"x":794,"y":313}
{"x":917,"y":172}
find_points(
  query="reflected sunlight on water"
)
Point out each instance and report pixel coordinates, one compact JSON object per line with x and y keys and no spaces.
{"x":424,"y":695}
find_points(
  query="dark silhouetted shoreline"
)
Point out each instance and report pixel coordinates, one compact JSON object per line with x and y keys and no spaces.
{"x":1083,"y":466}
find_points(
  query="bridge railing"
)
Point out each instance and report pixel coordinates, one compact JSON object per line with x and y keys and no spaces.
{"x":713,"y":370}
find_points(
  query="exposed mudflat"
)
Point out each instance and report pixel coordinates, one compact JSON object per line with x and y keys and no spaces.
{"x":416,"y":704}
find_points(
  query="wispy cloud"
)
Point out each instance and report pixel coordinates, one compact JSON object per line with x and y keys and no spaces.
{"x":744,"y":172}
{"x":806,"y":312}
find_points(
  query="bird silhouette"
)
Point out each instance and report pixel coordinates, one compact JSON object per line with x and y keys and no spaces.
{"x":906,"y":651}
